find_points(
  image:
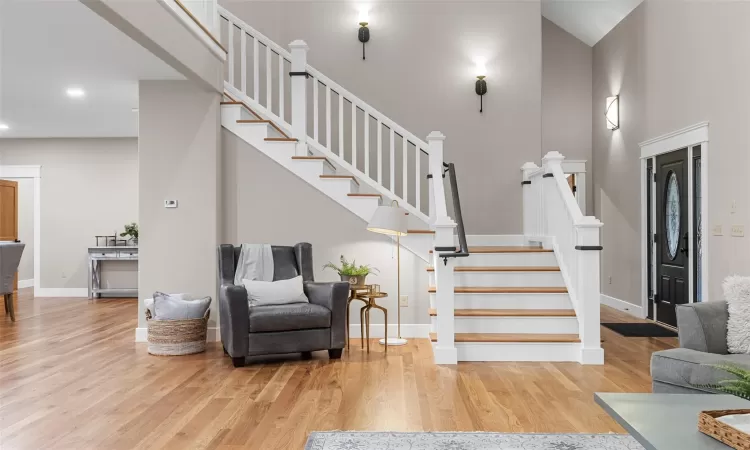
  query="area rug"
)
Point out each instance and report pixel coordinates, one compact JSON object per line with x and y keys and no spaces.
{"x":350,"y":440}
{"x":640,"y":329}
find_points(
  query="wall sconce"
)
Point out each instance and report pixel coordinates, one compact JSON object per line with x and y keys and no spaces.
{"x":481,"y":85}
{"x":612,"y":112}
{"x":364,"y":32}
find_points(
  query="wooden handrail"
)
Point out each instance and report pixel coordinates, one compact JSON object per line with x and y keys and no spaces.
{"x":202,"y":27}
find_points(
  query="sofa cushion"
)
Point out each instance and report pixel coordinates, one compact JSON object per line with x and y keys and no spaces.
{"x":295,"y":316}
{"x":688,"y":368}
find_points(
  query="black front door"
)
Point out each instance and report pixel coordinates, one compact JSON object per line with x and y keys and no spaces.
{"x":672,"y":270}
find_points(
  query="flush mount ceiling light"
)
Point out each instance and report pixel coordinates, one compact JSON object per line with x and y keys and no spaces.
{"x":612,"y":112}
{"x":364,"y":33}
{"x":75,"y":92}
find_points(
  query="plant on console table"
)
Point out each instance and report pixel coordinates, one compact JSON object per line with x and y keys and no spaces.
{"x":350,"y":272}
{"x":132,"y":231}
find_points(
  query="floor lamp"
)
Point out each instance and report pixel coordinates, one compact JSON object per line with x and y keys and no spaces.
{"x":391,"y":220}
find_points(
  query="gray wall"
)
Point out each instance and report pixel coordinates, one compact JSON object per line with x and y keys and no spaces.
{"x":674,"y":64}
{"x":178,"y":145}
{"x":88,"y":187}
{"x":567,"y":97}
{"x":296,"y":212}
{"x":420,"y":72}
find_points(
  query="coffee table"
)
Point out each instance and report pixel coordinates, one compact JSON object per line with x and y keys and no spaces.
{"x":667,"y":421}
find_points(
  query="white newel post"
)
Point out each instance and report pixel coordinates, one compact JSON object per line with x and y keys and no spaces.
{"x":550,"y":162}
{"x":588,"y":250}
{"x":445,"y":348}
{"x":299,"y":95}
{"x":529,"y":204}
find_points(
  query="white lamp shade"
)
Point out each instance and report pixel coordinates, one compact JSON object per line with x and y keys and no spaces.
{"x":388,"y":220}
{"x":612,"y":112}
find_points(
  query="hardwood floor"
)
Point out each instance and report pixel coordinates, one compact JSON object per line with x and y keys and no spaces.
{"x":71,"y":377}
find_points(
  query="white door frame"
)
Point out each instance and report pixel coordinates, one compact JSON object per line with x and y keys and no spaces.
{"x":34,"y":172}
{"x":578,"y":168}
{"x":685,"y":138}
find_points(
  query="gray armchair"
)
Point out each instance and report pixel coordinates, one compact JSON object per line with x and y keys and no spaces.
{"x":298,"y":327}
{"x":702,"y":328}
{"x":10,"y":257}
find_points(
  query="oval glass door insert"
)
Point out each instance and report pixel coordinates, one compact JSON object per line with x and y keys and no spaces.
{"x":672,"y":215}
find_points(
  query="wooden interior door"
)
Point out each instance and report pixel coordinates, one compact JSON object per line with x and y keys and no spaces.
{"x":9,"y":221}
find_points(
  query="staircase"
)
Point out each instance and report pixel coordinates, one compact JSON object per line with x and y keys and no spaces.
{"x":513,"y":298}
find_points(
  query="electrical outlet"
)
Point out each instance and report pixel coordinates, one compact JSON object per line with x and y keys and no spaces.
{"x":717,"y":231}
{"x":610,"y":279}
{"x":738,"y":230}
{"x":404,"y":303}
{"x":170,"y":203}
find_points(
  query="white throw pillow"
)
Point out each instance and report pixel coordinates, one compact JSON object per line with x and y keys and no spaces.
{"x":279,"y":292}
{"x":177,"y":306}
{"x":737,"y":294}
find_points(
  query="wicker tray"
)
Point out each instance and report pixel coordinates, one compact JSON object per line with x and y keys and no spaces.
{"x":707,"y":424}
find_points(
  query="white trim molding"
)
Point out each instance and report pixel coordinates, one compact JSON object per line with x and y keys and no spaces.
{"x":25,"y":283}
{"x":675,"y":140}
{"x":34,"y":172}
{"x":622,"y":305}
{"x":377,"y":330}
{"x":213,"y":334}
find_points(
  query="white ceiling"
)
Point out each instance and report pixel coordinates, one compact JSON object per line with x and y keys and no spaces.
{"x":588,"y":20}
{"x":48,"y":46}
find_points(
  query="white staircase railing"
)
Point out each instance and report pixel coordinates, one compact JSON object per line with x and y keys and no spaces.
{"x":551,"y":215}
{"x":338,"y":124}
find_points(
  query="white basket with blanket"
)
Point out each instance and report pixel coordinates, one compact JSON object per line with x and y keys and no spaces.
{"x":177,"y":324}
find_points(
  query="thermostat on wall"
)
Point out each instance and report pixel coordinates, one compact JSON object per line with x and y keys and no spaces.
{"x":170,"y":203}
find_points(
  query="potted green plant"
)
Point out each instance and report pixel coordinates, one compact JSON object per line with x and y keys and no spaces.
{"x":131,"y":230}
{"x":350,"y":272}
{"x":739,"y":386}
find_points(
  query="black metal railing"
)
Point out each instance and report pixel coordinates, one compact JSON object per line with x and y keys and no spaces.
{"x":463,"y":250}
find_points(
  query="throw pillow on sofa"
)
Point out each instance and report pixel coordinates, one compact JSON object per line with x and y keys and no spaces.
{"x":280,"y":292}
{"x":177,"y":306}
{"x":737,"y":294}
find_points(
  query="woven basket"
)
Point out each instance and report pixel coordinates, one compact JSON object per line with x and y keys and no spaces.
{"x":707,"y":424}
{"x":176,"y":337}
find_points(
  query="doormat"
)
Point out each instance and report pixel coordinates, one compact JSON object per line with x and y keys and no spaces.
{"x":640,"y":330}
{"x":349,"y":440}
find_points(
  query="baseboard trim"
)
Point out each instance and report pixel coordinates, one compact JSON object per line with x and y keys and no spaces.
{"x":25,"y":283}
{"x":61,"y":292}
{"x":408,"y":330}
{"x":213,"y":334}
{"x":622,"y":305}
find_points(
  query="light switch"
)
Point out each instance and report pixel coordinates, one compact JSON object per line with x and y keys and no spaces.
{"x":717,"y":231}
{"x":733,"y":207}
{"x":404,"y":301}
{"x":170,"y":203}
{"x":738,"y":230}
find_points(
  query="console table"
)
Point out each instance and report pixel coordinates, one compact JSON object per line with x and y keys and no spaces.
{"x":97,"y":256}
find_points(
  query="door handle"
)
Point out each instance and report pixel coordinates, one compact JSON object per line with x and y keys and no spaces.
{"x":684,"y":249}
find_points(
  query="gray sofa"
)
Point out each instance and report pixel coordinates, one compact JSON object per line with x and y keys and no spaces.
{"x":294,"y":328}
{"x":702,"y":328}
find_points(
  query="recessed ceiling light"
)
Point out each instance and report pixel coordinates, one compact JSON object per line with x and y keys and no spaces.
{"x":4,"y":126}
{"x":75,"y":92}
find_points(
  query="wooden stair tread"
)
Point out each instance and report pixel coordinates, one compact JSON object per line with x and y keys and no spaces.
{"x":502,"y":269}
{"x":505,"y":290}
{"x":244,"y":105}
{"x":340,"y":177}
{"x":364,"y":195}
{"x":280,"y":139}
{"x":507,"y":249}
{"x":420,"y":232}
{"x":310,"y":158}
{"x":510,"y":312}
{"x":512,"y":337}
{"x":253,"y":121}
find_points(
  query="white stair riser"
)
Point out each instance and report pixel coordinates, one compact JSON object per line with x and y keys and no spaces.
{"x":505,"y":279}
{"x":247,"y":115}
{"x":544,"y":259}
{"x":337,"y":186}
{"x":518,"y":351}
{"x":364,"y":207}
{"x":509,"y":301}
{"x":534,"y":325}
{"x":253,"y":133}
